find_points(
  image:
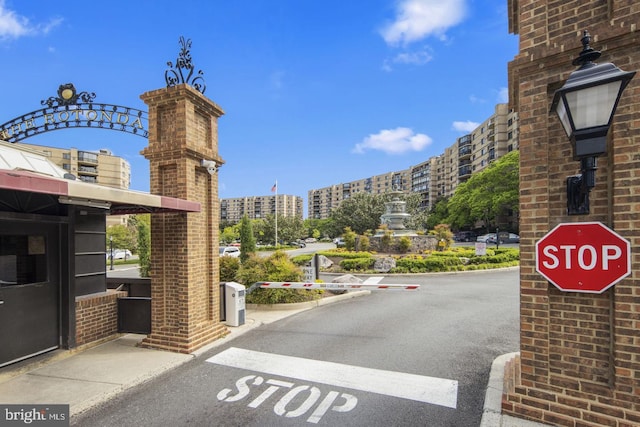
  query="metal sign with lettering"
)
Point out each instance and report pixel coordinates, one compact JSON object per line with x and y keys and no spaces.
{"x":72,"y":109}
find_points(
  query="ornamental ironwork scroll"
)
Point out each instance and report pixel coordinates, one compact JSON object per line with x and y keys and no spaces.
{"x":175,"y":75}
{"x":73,"y":109}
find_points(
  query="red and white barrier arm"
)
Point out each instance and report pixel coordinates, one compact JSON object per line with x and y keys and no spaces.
{"x":342,"y":286}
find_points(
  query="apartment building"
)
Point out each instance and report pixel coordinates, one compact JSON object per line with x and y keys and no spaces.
{"x":436,"y":177}
{"x":100,"y":167}
{"x":322,"y":201}
{"x":255,"y":207}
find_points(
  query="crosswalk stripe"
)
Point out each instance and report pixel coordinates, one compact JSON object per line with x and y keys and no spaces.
{"x":437,"y":391}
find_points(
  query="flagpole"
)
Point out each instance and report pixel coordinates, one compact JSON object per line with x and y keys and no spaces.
{"x":276,"y":185}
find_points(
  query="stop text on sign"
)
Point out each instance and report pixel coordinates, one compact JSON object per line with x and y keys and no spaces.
{"x":587,"y":257}
{"x":583,"y":257}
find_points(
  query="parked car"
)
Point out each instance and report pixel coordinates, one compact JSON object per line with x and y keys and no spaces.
{"x":339,"y":241}
{"x":505,"y":238}
{"x":310,"y":240}
{"x":465,"y":236}
{"x":119,"y":254}
{"x":231,"y":251}
{"x":486,"y":238}
{"x":299,"y":244}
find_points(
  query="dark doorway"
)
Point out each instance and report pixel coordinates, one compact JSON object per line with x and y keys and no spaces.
{"x":29,"y":290}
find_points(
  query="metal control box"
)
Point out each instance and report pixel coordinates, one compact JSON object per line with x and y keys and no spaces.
{"x":234,"y":295}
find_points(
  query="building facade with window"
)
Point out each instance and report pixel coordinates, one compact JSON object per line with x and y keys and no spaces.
{"x":100,"y":167}
{"x":436,"y":177}
{"x":256,"y":207}
{"x":321,"y":201}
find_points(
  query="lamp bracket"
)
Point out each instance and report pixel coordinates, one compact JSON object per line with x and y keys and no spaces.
{"x":579,"y":186}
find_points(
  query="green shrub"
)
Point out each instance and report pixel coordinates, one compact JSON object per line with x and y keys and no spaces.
{"x":357,"y":264}
{"x":364,"y":243}
{"x":404,"y":243}
{"x":301,"y":260}
{"x":275,"y":268}
{"x":349,"y":237}
{"x":343,"y":253}
{"x":229,"y":266}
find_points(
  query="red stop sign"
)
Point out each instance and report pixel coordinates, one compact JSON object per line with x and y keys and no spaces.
{"x":583,"y":257}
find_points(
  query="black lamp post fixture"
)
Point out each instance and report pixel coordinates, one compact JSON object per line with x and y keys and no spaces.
{"x":585,"y":105}
{"x":111,"y":250}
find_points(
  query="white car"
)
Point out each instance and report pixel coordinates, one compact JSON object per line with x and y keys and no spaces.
{"x":120,"y":254}
{"x":231,"y":251}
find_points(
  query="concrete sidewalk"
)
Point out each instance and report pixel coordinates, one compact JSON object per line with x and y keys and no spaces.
{"x":85,"y":378}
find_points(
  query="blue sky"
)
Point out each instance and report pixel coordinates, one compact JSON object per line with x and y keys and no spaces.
{"x":315,"y":93}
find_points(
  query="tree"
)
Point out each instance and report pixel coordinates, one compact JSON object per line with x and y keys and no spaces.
{"x":419,"y":215}
{"x":438,"y":214}
{"x":488,"y":194}
{"x":361,"y":212}
{"x":144,"y":244}
{"x":317,"y":228}
{"x":123,"y":237}
{"x":247,"y":240}
{"x":290,"y":228}
{"x":444,"y":235}
{"x":230,"y":234}
{"x":349,"y":239}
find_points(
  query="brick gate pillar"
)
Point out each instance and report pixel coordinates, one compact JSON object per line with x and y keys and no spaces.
{"x":185,"y":296}
{"x":579,"y":362}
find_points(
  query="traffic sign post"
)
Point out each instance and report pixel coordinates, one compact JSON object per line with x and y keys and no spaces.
{"x":583,"y":257}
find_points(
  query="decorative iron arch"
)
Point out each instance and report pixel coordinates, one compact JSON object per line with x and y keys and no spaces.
{"x":72,"y":109}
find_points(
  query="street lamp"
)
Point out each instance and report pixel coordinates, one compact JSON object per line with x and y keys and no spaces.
{"x":585,"y":105}
{"x":111,"y":250}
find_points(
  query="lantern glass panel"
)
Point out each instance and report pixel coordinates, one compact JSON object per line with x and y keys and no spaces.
{"x":564,"y":117}
{"x":593,"y":106}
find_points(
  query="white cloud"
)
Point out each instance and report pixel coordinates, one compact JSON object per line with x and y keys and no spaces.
{"x":417,"y":19}
{"x":393,"y":141}
{"x":503,"y":95}
{"x":13,"y":26}
{"x":417,"y":58}
{"x":465,"y":127}
{"x":408,"y":58}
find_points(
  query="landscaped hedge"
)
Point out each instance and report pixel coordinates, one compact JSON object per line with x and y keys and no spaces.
{"x":345,"y":254}
{"x":357,"y":264}
{"x":457,"y":259}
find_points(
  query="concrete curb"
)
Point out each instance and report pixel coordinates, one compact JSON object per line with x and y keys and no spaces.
{"x":492,"y":411}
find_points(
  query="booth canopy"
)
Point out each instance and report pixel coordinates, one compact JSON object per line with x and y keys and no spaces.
{"x":27,"y":171}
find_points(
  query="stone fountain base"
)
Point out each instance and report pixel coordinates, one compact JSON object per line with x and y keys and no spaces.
{"x":419,"y":243}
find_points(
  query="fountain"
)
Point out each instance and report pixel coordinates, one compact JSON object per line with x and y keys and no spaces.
{"x":395,"y":215}
{"x":394,"y":228}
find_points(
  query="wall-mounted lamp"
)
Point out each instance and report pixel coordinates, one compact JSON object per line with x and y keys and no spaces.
{"x":585,"y":105}
{"x":211,"y":166}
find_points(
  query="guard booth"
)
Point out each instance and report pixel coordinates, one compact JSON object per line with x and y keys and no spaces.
{"x":53,"y":254}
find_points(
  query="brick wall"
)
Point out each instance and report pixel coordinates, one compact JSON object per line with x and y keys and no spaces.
{"x":580,"y":353}
{"x":97,"y":316}
{"x":185,"y":291}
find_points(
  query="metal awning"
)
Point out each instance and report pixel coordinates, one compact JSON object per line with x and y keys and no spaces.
{"x":118,"y":201}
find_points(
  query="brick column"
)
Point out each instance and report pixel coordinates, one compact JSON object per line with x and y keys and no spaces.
{"x":580,"y":353}
{"x":184,"y":246}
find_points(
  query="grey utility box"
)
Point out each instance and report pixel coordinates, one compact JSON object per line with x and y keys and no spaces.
{"x":234,"y":294}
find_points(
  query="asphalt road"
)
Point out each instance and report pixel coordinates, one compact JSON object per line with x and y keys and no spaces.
{"x":392,"y":358}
